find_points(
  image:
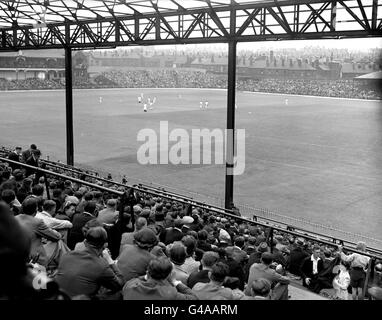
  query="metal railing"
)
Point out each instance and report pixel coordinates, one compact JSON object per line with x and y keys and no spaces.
{"x":373,"y":253}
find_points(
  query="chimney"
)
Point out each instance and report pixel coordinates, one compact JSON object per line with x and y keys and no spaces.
{"x":271,"y":56}
{"x":275,"y":62}
{"x":244,"y":60}
{"x":291,"y":62}
{"x":267,"y":62}
{"x":283,"y":61}
{"x":251,"y":60}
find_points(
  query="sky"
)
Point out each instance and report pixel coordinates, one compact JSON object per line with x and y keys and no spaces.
{"x":361,"y":44}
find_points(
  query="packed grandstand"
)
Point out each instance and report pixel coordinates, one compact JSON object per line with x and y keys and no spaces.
{"x":85,"y":237}
{"x":312,"y":71}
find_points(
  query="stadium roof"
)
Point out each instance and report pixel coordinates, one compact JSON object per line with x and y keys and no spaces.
{"x":27,"y":12}
{"x":31,"y":24}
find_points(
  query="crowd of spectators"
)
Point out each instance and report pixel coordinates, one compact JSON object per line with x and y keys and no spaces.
{"x":170,"y":78}
{"x":81,"y":243}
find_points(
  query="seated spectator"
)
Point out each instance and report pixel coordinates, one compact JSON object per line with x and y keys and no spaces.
{"x":255,"y":257}
{"x":263,"y":270}
{"x":128,"y":237}
{"x":173,"y":234}
{"x":79,"y":220}
{"x":158,"y":284}
{"x":49,"y":209}
{"x":375,"y":290}
{"x":178,"y":258}
{"x":214,"y":289}
{"x":208,"y":260}
{"x":93,"y":223}
{"x":134,"y":259}
{"x":296,"y":257}
{"x":109,"y":215}
{"x":190,"y":265}
{"x":260,"y":289}
{"x":38,"y":230}
{"x":310,"y":268}
{"x":85,"y":272}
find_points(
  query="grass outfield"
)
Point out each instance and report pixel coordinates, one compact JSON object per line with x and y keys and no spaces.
{"x":318,"y":159}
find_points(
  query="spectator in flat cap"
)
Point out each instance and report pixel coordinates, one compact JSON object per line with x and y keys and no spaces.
{"x":134,"y":259}
{"x":159,"y":283}
{"x":84,"y":272}
{"x":264,"y":270}
{"x":173,"y":234}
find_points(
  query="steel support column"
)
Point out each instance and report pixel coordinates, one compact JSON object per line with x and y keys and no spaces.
{"x":69,"y":107}
{"x":230,"y":143}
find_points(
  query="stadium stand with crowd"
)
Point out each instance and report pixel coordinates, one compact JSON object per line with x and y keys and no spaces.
{"x":67,"y":236}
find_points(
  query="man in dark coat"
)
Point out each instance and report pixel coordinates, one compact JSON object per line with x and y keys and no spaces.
{"x":15,"y":156}
{"x":296,"y":257}
{"x":310,"y":269}
{"x":27,"y":153}
{"x":173,"y":234}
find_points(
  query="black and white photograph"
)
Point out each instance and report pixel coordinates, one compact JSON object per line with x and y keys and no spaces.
{"x":196,"y":150}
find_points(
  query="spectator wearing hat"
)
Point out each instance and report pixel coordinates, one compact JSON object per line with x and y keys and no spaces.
{"x":263,"y":270}
{"x":159,"y":283}
{"x":109,"y":215}
{"x":173,"y":234}
{"x":249,"y":246}
{"x":190,"y":264}
{"x":358,"y":266}
{"x":85,"y":272}
{"x":208,"y":260}
{"x":178,"y":255}
{"x":128,"y":237}
{"x":260,"y":289}
{"x":38,"y":230}
{"x":224,"y":239}
{"x":214,"y":289}
{"x":310,"y":269}
{"x":134,"y":259}
{"x":296,"y":257}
